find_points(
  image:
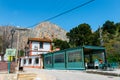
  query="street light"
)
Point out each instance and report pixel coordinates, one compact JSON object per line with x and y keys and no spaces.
{"x":12,"y":33}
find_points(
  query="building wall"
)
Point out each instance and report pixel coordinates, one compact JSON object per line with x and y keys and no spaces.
{"x":35,"y":45}
{"x":30,"y":46}
{"x":46,"y":46}
{"x":33,"y":63}
{"x":36,"y":53}
{"x":37,"y":50}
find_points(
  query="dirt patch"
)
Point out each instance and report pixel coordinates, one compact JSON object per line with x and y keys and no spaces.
{"x":32,"y":76}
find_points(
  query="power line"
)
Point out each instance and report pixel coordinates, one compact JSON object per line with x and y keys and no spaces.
{"x":64,"y":12}
{"x":69,"y":10}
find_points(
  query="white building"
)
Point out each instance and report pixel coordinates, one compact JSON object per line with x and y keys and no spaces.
{"x":37,"y":47}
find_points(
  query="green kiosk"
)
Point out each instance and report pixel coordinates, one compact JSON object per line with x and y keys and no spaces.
{"x":75,"y":58}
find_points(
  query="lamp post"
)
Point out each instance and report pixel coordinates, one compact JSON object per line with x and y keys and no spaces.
{"x":12,"y":33}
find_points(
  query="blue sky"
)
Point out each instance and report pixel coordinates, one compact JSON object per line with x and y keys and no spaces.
{"x":27,"y":13}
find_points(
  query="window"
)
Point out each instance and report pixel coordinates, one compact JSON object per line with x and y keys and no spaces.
{"x":24,"y":61}
{"x":74,"y":56}
{"x":59,"y":58}
{"x":41,"y":45}
{"x":36,"y":60}
{"x":35,"y":47}
{"x":30,"y":61}
{"x":48,"y":60}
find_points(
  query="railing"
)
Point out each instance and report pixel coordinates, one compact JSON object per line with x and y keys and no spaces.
{"x":4,"y":66}
{"x":109,"y":66}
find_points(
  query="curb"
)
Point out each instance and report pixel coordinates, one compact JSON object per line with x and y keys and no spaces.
{"x":104,"y":73}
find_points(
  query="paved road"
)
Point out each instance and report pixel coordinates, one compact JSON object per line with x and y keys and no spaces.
{"x":71,"y":75}
{"x":8,"y":77}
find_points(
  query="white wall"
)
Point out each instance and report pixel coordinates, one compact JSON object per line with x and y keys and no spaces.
{"x":27,"y":61}
{"x":46,"y":46}
{"x":45,"y":49}
{"x":36,"y":53}
{"x":35,"y":44}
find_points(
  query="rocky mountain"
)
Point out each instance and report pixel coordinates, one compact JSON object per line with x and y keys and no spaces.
{"x":48,"y":30}
{"x":42,"y":30}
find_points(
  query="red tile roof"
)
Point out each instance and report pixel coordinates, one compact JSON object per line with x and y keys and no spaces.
{"x":39,"y":39}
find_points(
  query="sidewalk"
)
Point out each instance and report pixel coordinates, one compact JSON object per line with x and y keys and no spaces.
{"x":34,"y":74}
{"x":45,"y":74}
{"x":115,"y":72}
{"x":8,"y":77}
{"x":73,"y":74}
{"x":27,"y":74}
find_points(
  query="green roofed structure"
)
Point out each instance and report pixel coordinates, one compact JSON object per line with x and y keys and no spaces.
{"x":75,"y":58}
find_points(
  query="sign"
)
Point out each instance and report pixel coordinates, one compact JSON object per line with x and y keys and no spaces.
{"x":10,"y":52}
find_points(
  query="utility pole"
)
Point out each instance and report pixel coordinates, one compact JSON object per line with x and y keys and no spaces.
{"x":17,"y":45}
{"x":19,"y":29}
{"x":101,"y":38}
{"x":18,"y":64}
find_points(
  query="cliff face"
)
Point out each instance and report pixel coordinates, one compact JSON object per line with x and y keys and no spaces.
{"x":42,"y":30}
{"x":48,"y":30}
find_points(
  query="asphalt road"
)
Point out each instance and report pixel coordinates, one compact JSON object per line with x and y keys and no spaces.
{"x":71,"y":75}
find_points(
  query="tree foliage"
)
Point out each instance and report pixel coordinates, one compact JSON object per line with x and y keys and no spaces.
{"x":61,"y":44}
{"x":111,"y":36}
{"x":5,"y":39}
{"x":77,"y":35}
{"x":21,"y":53}
{"x":96,"y":38}
{"x":109,"y":26}
{"x":117,"y":27}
